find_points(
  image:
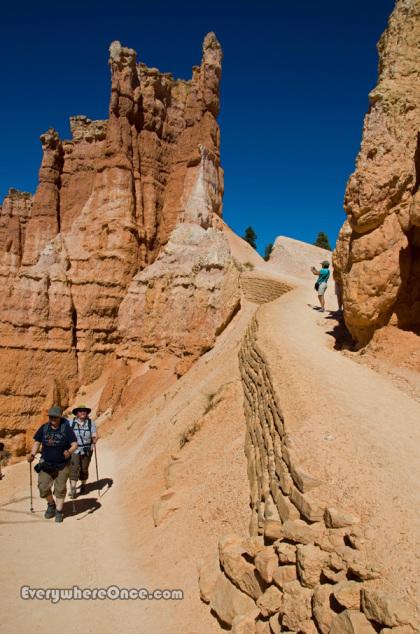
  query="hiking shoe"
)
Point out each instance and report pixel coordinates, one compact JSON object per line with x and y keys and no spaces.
{"x":50,"y":512}
{"x":82,"y":489}
{"x":59,"y":516}
{"x":73,"y":495}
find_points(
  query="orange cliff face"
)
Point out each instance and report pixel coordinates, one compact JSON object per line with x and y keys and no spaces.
{"x":118,"y":258}
{"x":377,"y":258}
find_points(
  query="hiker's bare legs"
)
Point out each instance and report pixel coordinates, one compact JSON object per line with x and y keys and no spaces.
{"x":322,"y":301}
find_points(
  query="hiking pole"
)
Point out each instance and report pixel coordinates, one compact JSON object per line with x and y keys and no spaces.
{"x":73,"y":492}
{"x":30,"y":486}
{"x":96,"y":464}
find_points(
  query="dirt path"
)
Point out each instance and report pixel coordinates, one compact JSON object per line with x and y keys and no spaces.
{"x":88,"y":550}
{"x":352,"y":427}
{"x":117,"y":543}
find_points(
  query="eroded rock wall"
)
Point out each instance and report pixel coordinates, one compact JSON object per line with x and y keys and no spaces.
{"x":86,"y":272}
{"x":377,"y":258}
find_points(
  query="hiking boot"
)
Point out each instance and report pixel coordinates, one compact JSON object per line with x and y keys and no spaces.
{"x":82,"y":489}
{"x":59,"y":516}
{"x":50,"y":512}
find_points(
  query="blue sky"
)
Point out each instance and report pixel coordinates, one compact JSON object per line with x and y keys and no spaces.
{"x":296,"y":76}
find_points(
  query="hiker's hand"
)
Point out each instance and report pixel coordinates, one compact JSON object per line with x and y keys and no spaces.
{"x":66,"y":453}
{"x":30,"y":457}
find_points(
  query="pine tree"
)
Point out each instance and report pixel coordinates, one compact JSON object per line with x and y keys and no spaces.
{"x":268,"y":250}
{"x":250,"y":237}
{"x":322,"y":241}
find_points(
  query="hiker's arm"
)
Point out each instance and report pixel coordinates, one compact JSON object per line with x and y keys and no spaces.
{"x":35,"y":449}
{"x":71,"y":450}
{"x":314,"y":270}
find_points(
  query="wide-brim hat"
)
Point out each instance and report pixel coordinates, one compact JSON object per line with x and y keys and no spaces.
{"x":81,"y":408}
{"x":55,"y":411}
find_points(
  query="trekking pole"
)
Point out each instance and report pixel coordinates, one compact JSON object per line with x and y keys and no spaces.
{"x":30,"y":486}
{"x":96,"y":464}
{"x":73,"y":491}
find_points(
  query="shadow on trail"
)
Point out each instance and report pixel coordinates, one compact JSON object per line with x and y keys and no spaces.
{"x":342,"y":337}
{"x":99,"y":485}
{"x":85,"y":506}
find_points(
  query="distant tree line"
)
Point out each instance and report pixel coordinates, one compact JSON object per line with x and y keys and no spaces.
{"x":250,"y":236}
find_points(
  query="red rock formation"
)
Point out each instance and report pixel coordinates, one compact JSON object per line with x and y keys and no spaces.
{"x":377,"y":258}
{"x":89,"y":286}
{"x":14,"y":215}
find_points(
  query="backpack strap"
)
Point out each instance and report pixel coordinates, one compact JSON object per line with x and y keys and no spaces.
{"x":45,"y":426}
{"x":83,"y":445}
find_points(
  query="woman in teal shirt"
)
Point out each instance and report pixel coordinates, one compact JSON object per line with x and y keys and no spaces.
{"x":322,"y":281}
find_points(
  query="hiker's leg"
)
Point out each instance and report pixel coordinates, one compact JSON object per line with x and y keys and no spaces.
{"x":74,"y":470}
{"x":60,"y":488}
{"x":45,"y":482}
{"x":84,"y":467}
{"x":321,"y":292}
{"x":44,"y":485}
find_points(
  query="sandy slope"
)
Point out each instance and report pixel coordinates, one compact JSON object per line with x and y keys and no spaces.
{"x":352,"y":427}
{"x":118,"y":543}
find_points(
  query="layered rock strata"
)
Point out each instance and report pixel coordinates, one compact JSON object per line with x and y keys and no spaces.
{"x":87,"y":275}
{"x":377,"y":258}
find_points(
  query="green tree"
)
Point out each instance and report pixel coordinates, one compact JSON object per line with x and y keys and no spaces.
{"x":322,"y":241}
{"x":250,"y":237}
{"x":267,"y":251}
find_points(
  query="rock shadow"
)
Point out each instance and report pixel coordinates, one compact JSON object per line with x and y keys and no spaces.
{"x":339,"y":332}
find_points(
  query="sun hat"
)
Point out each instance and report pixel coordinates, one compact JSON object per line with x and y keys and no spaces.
{"x":325,"y":263}
{"x":83,"y":408}
{"x":55,"y":411}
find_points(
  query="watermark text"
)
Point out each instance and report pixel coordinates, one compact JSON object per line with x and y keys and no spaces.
{"x":113,"y":593}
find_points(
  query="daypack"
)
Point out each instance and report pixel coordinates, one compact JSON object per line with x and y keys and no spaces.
{"x":84,"y":447}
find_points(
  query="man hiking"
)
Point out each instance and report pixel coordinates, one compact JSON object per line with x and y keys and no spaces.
{"x":85,"y":430}
{"x":321,"y":283}
{"x":58,"y":442}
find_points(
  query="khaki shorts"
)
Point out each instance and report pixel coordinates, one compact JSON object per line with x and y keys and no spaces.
{"x":79,"y":466}
{"x":45,"y":482}
{"x":322,"y":288}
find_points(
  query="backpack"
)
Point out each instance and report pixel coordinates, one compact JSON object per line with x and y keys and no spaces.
{"x":85,"y":448}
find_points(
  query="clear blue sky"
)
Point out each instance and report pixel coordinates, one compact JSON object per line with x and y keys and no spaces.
{"x":296,"y":76}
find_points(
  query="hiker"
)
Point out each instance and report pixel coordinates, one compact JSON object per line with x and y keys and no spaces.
{"x":85,"y":430}
{"x":2,"y":452}
{"x":321,"y":283}
{"x":58,"y":442}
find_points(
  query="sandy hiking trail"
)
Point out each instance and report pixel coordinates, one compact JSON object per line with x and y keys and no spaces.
{"x":352,"y":428}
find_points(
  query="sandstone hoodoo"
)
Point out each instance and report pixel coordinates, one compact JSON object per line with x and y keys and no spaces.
{"x":377,"y":258}
{"x":120,"y":239}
